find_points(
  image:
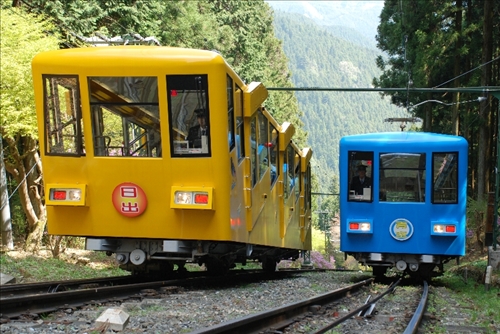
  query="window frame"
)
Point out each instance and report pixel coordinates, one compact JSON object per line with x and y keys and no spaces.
{"x":49,"y":110}
{"x":435,"y":178}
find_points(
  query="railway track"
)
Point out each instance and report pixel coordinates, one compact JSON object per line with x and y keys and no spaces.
{"x":212,"y":305}
{"x":283,"y":319}
{"x":40,"y":298}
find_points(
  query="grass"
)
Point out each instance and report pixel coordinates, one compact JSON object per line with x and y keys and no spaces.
{"x":465,"y":281}
{"x":73,"y":264}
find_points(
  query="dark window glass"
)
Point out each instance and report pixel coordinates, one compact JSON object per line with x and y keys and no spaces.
{"x":240,"y":133}
{"x":273,"y":143}
{"x":189,"y":117}
{"x":253,"y":150}
{"x":402,"y":177}
{"x":360,"y":176}
{"x":445,"y":177}
{"x":263,"y":149}
{"x":230,"y":113}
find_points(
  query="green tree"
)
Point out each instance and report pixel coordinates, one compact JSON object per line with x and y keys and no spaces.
{"x":241,"y":31}
{"x":445,"y":44}
{"x":23,"y":36}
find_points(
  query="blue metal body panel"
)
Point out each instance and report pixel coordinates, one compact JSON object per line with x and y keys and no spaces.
{"x":403,"y":227}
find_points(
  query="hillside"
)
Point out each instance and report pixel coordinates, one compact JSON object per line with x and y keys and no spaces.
{"x":318,"y":58}
{"x":339,"y":16}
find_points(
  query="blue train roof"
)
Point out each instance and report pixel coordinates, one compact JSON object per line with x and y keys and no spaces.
{"x":402,"y":139}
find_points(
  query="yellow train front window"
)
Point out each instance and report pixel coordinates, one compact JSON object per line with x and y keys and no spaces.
{"x":63,"y":128}
{"x":125,"y":116}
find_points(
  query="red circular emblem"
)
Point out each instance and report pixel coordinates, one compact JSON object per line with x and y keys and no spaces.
{"x":129,"y":199}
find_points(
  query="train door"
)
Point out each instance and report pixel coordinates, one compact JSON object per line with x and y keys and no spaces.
{"x":291,"y":188}
{"x":236,"y":137}
{"x":259,"y":167}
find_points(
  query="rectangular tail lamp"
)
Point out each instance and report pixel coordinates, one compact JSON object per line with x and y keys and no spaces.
{"x":200,"y":198}
{"x":444,"y":228}
{"x":359,"y":226}
{"x":68,"y":194}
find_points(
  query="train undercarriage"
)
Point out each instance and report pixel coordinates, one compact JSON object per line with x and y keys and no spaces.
{"x":143,"y":256}
{"x":422,"y":267}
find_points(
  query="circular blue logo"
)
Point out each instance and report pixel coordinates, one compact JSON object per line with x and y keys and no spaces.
{"x":401,"y":229}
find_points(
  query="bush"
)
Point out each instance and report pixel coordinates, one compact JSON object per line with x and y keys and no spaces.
{"x":320,"y":262}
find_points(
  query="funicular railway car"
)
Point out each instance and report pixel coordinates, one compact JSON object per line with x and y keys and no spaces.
{"x":410,"y":210}
{"x":163,"y":156}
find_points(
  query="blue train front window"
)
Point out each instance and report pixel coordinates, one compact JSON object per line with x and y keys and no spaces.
{"x":445,"y":177}
{"x":360,"y":176}
{"x":402,"y":177}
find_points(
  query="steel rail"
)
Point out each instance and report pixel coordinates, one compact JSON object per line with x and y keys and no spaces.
{"x":359,"y":309}
{"x":278,"y":317}
{"x":13,"y":307}
{"x":412,"y":327}
{"x":55,"y":286}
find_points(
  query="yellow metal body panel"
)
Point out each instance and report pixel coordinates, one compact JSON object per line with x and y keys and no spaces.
{"x":235,"y":211}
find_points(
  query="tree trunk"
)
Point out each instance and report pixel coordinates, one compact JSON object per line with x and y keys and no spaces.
{"x":455,"y":119}
{"x":7,"y":239}
{"x":29,"y":193}
{"x":34,"y":240}
{"x":482,"y":168}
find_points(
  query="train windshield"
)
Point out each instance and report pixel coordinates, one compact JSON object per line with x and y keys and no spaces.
{"x":360,"y":176}
{"x":445,"y":177}
{"x":125,"y":116}
{"x":188,"y":115}
{"x":402,"y":177}
{"x":62,"y":107}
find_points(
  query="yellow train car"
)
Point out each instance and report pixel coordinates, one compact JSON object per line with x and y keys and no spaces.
{"x":164,"y":156}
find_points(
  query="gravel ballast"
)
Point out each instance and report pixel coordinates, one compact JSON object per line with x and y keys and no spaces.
{"x":186,"y":310}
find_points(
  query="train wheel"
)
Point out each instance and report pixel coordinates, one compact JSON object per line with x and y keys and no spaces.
{"x":166,"y":268}
{"x":425,"y":271}
{"x":379,"y":271}
{"x":269,"y":265}
{"x":216,"y":266}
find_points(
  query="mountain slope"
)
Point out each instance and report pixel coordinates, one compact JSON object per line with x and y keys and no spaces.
{"x":320,"y":59}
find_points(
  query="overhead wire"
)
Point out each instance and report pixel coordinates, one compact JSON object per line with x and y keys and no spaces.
{"x":469,"y":71}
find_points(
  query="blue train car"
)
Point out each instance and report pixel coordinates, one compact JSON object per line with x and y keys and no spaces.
{"x":403,"y":200}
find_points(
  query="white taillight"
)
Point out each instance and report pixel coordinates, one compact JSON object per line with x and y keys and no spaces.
{"x":183,"y":197}
{"x":442,"y":228}
{"x":364,"y":226}
{"x":438,"y":228}
{"x":360,"y":226}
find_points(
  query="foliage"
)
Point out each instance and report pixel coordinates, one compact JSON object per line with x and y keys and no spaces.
{"x":241,"y":31}
{"x":445,"y":44}
{"x":18,"y":218}
{"x":23,"y":36}
{"x":476,"y":217}
{"x":481,"y":304}
{"x":26,"y":267}
{"x":318,"y":58}
{"x":319,"y":261}
{"x":351,"y":263}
